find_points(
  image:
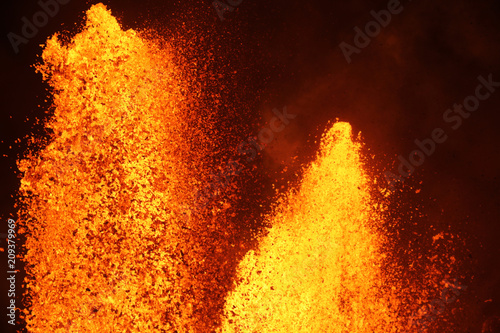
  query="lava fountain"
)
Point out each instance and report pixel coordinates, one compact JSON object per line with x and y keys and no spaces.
{"x":320,"y":266}
{"x":111,"y":242}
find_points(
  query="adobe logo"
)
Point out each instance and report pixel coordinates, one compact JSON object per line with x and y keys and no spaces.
{"x":50,"y":8}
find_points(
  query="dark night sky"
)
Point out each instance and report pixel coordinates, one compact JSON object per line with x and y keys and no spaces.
{"x":286,"y":53}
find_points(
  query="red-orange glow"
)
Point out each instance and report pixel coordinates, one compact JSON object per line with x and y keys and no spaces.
{"x":114,"y":243}
{"x":319,"y":269}
{"x":111,"y":242}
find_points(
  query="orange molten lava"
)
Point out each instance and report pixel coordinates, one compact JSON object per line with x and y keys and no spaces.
{"x":319,"y":269}
{"x":113,"y":243}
